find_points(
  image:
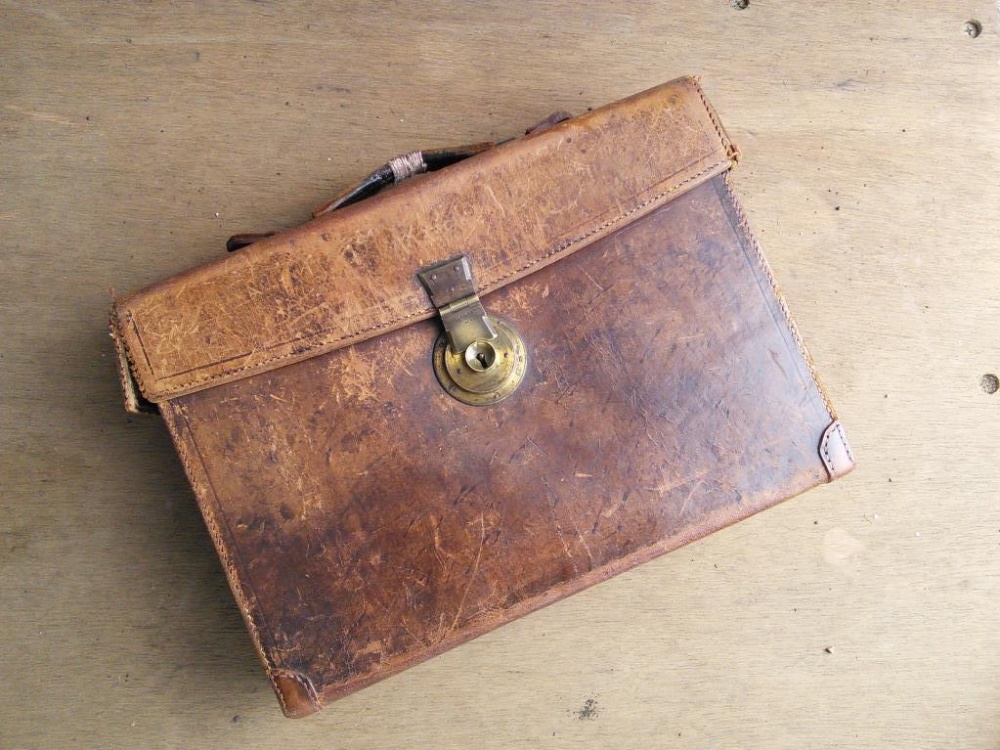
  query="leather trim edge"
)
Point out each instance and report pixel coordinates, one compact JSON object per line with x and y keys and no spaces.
{"x":835,"y":451}
{"x":197,"y":475}
{"x":135,"y":402}
{"x":732,"y":150}
{"x":765,"y":266}
{"x":296,"y":694}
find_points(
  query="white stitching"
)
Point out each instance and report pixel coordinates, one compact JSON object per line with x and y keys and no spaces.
{"x":306,"y":684}
{"x":843,"y":439}
{"x":838,"y":428}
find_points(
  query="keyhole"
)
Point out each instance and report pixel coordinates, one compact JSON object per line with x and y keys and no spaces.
{"x":480,"y":356}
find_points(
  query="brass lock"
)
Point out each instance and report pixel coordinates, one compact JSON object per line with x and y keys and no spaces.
{"x":479,"y":359}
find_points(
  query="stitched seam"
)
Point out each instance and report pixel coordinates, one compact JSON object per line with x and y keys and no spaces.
{"x":766,"y":268}
{"x":122,"y":362}
{"x":277,"y":692}
{"x":116,"y":320}
{"x":135,"y":400}
{"x":224,"y":556}
{"x":726,"y":143}
{"x":310,"y":691}
{"x":596,"y":230}
{"x":843,"y":439}
{"x":825,"y":452}
{"x":838,"y":428}
{"x":380,"y":327}
{"x":304,"y":353}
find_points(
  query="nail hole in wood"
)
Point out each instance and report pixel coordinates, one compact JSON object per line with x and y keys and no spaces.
{"x":741,"y":4}
{"x":990,"y":383}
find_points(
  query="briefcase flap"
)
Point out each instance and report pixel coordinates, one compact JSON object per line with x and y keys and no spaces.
{"x":350,"y":275}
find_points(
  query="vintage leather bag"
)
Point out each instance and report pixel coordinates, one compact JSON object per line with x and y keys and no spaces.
{"x":423,"y":415}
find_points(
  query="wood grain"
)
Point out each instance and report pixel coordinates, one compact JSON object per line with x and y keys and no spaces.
{"x":136,"y":139}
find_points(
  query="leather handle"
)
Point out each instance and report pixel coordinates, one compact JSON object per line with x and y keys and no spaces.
{"x":393,"y":172}
{"x":396,"y":170}
{"x":400,"y":168}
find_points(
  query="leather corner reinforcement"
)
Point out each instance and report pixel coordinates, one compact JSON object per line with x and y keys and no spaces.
{"x":835,"y":451}
{"x":295,"y":694}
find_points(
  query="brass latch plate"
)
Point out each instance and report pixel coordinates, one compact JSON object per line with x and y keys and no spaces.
{"x":479,"y":359}
{"x":453,"y":293}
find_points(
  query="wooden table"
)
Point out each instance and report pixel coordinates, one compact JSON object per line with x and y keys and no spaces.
{"x":861,"y":615}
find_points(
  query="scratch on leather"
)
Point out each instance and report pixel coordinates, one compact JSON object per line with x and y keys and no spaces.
{"x":559,"y":529}
{"x":359,"y":377}
{"x":472,"y":576}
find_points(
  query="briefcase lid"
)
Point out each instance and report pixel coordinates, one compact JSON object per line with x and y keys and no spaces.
{"x":350,"y":275}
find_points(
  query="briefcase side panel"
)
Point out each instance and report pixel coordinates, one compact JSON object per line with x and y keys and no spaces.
{"x":295,"y":692}
{"x":372,"y":521}
{"x":834,"y":448}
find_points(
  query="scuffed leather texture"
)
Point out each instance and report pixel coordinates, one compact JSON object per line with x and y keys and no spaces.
{"x":348,"y":276}
{"x":368,"y":521}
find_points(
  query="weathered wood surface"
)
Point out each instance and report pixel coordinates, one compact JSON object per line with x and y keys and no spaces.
{"x":135,"y":139}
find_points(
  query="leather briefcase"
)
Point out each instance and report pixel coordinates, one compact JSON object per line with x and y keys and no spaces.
{"x":431,"y":411}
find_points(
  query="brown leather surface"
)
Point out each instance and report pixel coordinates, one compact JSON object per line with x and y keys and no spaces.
{"x":367,"y":521}
{"x":348,"y":276}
